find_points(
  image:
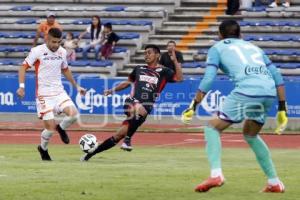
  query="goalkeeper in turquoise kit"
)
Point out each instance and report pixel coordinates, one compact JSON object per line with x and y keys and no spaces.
{"x":257,"y":84}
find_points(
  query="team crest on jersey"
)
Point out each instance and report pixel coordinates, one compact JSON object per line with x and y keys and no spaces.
{"x":158,"y":69}
{"x":149,"y":79}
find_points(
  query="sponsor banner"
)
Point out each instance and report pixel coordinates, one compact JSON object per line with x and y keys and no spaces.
{"x":174,"y":99}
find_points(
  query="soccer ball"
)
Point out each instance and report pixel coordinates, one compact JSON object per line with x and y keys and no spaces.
{"x":87,"y":143}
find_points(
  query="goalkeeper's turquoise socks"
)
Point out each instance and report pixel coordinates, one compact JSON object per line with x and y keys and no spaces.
{"x":263,"y":156}
{"x":213,"y":150}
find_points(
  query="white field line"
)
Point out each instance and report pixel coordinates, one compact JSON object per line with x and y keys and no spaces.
{"x":192,"y":141}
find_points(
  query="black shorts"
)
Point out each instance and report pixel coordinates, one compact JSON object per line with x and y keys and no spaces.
{"x":130,"y":101}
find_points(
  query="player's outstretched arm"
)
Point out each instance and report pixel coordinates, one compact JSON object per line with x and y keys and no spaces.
{"x":21,"y":89}
{"x":120,"y":86}
{"x":68,"y":74}
{"x":187,"y":114}
{"x":209,"y":76}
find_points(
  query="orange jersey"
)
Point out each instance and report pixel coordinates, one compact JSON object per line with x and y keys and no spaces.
{"x":44,"y":27}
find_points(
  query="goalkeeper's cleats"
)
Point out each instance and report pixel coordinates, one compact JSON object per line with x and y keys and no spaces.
{"x":278,"y":188}
{"x":282,"y":120}
{"x":210,"y":183}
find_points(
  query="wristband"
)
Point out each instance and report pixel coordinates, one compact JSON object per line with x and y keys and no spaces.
{"x":22,"y":85}
{"x":281,"y":105}
{"x":193,"y":104}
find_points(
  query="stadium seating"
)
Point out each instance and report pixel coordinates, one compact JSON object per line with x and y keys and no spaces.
{"x":141,"y":22}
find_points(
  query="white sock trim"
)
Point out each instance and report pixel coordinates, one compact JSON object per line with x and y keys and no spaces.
{"x":274,"y":181}
{"x":216,"y":173}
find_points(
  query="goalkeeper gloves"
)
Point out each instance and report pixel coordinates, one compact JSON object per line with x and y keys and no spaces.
{"x":281,"y":118}
{"x":187,"y":114}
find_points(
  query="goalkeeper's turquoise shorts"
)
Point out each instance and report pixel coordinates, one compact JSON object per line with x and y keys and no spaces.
{"x":238,"y":107}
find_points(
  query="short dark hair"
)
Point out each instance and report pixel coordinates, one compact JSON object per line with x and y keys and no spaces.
{"x":108,"y":25}
{"x":154,"y":47}
{"x":55,"y":32}
{"x":230,"y":29}
{"x":171,"y":41}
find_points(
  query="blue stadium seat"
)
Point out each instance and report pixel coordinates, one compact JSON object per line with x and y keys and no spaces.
{"x":193,"y":64}
{"x":3,"y":35}
{"x":294,"y":23}
{"x":82,"y":21}
{"x":264,"y":38}
{"x":21,"y":8}
{"x":249,"y":37}
{"x":140,"y":23}
{"x":11,"y":61}
{"x":128,"y":36}
{"x":256,"y":9}
{"x":288,"y":65}
{"x":20,"y":48}
{"x":29,"y":35}
{"x":281,"y":23}
{"x":282,"y":38}
{"x":15,"y":35}
{"x":116,"y":22}
{"x":265,"y":23}
{"x":269,"y":23}
{"x":295,"y":38}
{"x":79,"y":63}
{"x":243,"y":23}
{"x":101,"y":63}
{"x":270,"y":51}
{"x":4,"y":49}
{"x":5,"y":62}
{"x":288,"y":52}
{"x":26,"y":21}
{"x":17,"y":62}
{"x":119,"y":50}
{"x":202,"y":51}
{"x":115,"y":8}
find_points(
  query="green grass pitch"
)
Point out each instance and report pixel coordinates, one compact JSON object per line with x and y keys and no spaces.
{"x":163,"y":173}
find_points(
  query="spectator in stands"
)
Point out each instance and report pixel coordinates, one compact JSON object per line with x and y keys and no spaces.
{"x":45,"y":26}
{"x":96,"y":32}
{"x":168,"y":58}
{"x":287,"y":4}
{"x":70,"y":45}
{"x":233,"y":7}
{"x":110,"y":40}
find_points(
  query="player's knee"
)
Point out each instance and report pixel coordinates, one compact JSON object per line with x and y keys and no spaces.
{"x":50,"y":127}
{"x":73,"y":118}
{"x":137,"y":120}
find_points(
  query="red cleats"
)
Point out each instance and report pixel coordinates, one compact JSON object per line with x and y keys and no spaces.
{"x":210,"y":183}
{"x":279,"y":188}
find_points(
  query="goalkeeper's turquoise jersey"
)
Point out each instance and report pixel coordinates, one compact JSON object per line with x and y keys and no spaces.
{"x":245,"y":64}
